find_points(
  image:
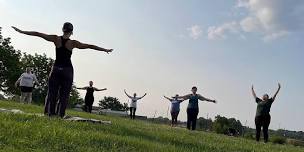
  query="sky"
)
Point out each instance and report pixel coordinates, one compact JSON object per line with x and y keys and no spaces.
{"x":166,"y":47}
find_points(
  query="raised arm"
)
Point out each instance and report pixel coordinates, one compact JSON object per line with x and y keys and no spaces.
{"x":127,"y":94}
{"x":276,"y":93}
{"x":79,"y":45}
{"x":143,"y":96}
{"x":168,"y":98}
{"x":51,"y":38}
{"x":200,"y":97}
{"x":253,"y":92}
{"x":96,"y":89}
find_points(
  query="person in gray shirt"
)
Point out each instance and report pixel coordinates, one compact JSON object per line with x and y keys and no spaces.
{"x":175,"y":108}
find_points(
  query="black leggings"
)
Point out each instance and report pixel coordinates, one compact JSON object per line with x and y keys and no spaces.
{"x":59,"y":88}
{"x":132,"y":112}
{"x":191,"y":118}
{"x":174,"y":115}
{"x":262,"y":121}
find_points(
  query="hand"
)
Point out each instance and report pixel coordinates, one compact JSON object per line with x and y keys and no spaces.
{"x":16,"y":85}
{"x":279,"y":85}
{"x":252,"y":87}
{"x":214,"y":101}
{"x":109,"y":50}
{"x":16,"y":29}
{"x":105,"y":89}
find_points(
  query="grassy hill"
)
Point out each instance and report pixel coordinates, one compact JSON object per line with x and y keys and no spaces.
{"x":20,"y":132}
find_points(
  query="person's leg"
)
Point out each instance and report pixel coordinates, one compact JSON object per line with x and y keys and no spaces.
{"x":176,"y":117}
{"x":258,"y":128}
{"x":22,"y":97}
{"x":131,"y":110}
{"x":29,"y":97}
{"x":172,"y":118}
{"x":51,"y":98}
{"x":90,"y":108}
{"x":66,"y":87}
{"x":265,"y":127}
{"x":189,"y":118}
{"x":194,"y":118}
{"x":134,"y":111}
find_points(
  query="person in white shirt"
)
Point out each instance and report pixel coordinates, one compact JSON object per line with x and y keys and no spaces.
{"x":133,"y":104}
{"x":26,"y":82}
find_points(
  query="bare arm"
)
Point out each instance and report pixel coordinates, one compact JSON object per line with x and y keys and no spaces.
{"x":200,"y":97}
{"x":83,"y":88}
{"x":79,"y":45}
{"x":276,"y":93}
{"x":18,"y":81}
{"x":168,"y":98}
{"x":185,"y":97}
{"x":143,"y":96}
{"x":127,"y":94}
{"x":253,"y":92}
{"x":96,"y":89}
{"x":51,"y":38}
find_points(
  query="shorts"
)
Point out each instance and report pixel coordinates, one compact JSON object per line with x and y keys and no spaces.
{"x":26,"y":89}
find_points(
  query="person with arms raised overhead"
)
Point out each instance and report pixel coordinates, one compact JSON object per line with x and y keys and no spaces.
{"x":133,"y":104}
{"x":193,"y":109}
{"x":262,"y":116}
{"x":175,"y":108}
{"x":62,"y":74}
{"x":89,"y":97}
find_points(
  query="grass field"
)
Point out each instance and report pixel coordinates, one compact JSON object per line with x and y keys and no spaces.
{"x":20,"y":132}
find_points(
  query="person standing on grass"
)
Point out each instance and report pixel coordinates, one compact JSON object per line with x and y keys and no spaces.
{"x":192,"y":109}
{"x":133,"y":104}
{"x":62,"y":74}
{"x":26,"y":82}
{"x":262,"y":117}
{"x":175,"y":108}
{"x":89,"y":97}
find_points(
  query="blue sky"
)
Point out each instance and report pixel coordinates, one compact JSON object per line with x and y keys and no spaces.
{"x":166,"y":47}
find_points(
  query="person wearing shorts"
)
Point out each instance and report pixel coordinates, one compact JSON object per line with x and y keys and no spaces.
{"x":26,"y":82}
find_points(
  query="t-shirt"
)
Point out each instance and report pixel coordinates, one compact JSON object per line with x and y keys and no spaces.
{"x":27,"y":80}
{"x":193,"y":101}
{"x":175,"y":105}
{"x":133,"y":103}
{"x":263,"y":107}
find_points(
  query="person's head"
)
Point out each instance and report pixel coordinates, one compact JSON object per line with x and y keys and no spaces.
{"x":194,"y":90}
{"x":91,"y":83}
{"x":265,"y":97}
{"x":176,"y":96}
{"x":28,"y":70}
{"x":67,"y":29}
{"x":134,"y":94}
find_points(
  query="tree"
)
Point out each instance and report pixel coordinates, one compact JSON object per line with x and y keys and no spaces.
{"x":10,"y":66}
{"x":113,"y":104}
{"x":222,"y":125}
{"x":74,"y":97}
{"x":204,"y":124}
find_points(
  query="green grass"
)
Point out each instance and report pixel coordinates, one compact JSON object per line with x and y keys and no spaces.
{"x":20,"y":132}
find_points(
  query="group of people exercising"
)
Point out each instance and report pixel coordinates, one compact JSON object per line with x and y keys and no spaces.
{"x":61,"y":79}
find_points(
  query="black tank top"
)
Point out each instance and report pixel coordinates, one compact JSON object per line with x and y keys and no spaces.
{"x":90,"y":91}
{"x":63,"y":55}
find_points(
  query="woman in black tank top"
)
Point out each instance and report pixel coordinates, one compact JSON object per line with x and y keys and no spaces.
{"x":61,"y":76}
{"x":89,"y":97}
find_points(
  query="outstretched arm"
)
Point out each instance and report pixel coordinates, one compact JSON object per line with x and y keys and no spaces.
{"x":276,"y":93}
{"x":83,"y":88}
{"x":168,"y":98}
{"x":96,"y":89}
{"x":143,"y":96}
{"x":51,"y":38}
{"x":127,"y":94}
{"x":185,"y":97}
{"x":79,"y":45}
{"x":253,"y":92}
{"x":200,"y":97}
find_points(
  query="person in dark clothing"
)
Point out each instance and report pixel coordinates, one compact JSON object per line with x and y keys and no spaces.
{"x":175,"y":108}
{"x":89,"y":97}
{"x":192,"y":109}
{"x":262,"y":117}
{"x":62,"y":74}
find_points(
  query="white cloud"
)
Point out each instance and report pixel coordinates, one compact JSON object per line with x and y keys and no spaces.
{"x":220,"y":32}
{"x":271,"y":18}
{"x":195,"y":32}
